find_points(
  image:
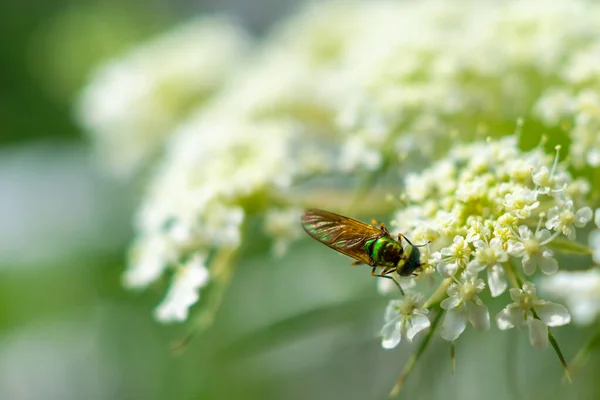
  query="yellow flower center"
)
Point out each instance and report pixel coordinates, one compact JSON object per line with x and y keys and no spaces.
{"x":531,"y":246}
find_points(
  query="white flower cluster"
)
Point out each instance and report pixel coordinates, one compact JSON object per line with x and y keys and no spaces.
{"x":133,"y":103}
{"x":197,"y":202}
{"x":341,"y":88}
{"x":486,"y":208}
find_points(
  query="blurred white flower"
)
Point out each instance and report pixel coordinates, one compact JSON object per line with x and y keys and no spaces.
{"x":404,"y":317}
{"x":579,"y":289}
{"x":521,"y":314}
{"x":462,"y":305}
{"x":183,"y":292}
{"x":282,"y":225}
{"x":133,"y":103}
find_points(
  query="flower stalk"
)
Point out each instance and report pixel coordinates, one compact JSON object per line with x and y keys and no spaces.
{"x":410,"y":364}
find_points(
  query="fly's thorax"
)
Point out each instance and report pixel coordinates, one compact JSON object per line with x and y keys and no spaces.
{"x":384,"y":251}
{"x":410,"y":262}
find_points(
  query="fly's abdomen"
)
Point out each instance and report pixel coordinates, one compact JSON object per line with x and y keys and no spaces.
{"x":384,"y":251}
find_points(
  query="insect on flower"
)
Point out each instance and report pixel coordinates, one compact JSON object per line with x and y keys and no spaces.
{"x":365,"y":243}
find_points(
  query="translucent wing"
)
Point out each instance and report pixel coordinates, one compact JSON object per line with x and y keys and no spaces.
{"x":343,"y":234}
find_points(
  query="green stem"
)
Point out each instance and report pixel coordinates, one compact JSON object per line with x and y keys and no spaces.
{"x":556,"y":348}
{"x":515,"y":279}
{"x":409,"y":366}
{"x":439,"y":294}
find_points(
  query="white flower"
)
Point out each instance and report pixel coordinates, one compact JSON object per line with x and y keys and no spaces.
{"x":404,"y":317}
{"x":521,"y":314}
{"x":148,"y":260}
{"x":464,"y":305}
{"x":183,"y":292}
{"x":491,"y":256}
{"x":563,"y":218}
{"x":580,"y":291}
{"x":521,"y":202}
{"x":533,"y":251}
{"x":133,"y":103}
{"x":449,"y":259}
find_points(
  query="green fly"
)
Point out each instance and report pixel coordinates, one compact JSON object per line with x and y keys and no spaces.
{"x":365,"y":243}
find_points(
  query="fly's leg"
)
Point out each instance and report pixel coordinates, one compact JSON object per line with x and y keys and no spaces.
{"x":401,"y":236}
{"x":383,"y":275}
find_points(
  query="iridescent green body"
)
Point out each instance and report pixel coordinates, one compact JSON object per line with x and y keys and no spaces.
{"x":388,"y":253}
{"x":365,"y":243}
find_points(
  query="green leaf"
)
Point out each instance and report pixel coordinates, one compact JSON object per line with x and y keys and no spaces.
{"x":566,"y":246}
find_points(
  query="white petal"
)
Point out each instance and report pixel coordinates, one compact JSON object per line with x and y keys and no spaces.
{"x":496,"y":280}
{"x":594,"y":241}
{"x":447,"y":270}
{"x":515,"y":294}
{"x":529,"y":264}
{"x":450,"y":302}
{"x":476,"y":266}
{"x":583,"y":216}
{"x":454,"y":323}
{"x":418,"y":323}
{"x":183,"y":291}
{"x":552,"y":314}
{"x":479,"y":316}
{"x":524,"y":232}
{"x":508,"y":317}
{"x":391,"y":335}
{"x":391,"y":311}
{"x":548,"y":263}
{"x":597,"y":218}
{"x":538,"y":333}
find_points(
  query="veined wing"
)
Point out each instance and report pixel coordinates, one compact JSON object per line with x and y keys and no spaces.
{"x":343,"y":234}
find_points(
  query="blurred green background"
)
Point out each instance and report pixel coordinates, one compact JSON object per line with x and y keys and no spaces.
{"x":290,"y":328}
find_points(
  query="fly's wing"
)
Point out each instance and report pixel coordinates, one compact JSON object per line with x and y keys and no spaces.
{"x":343,"y":234}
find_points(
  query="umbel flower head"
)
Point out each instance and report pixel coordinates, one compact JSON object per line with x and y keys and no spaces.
{"x":492,"y":216}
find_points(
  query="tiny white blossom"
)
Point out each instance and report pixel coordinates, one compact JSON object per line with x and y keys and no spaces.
{"x":462,"y":305}
{"x":563,"y":218}
{"x":491,"y":256}
{"x":521,"y":202}
{"x":521,"y":314}
{"x":404,"y":317}
{"x":531,"y":248}
{"x":183,"y":292}
{"x":449,"y":259}
{"x":149,"y":258}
